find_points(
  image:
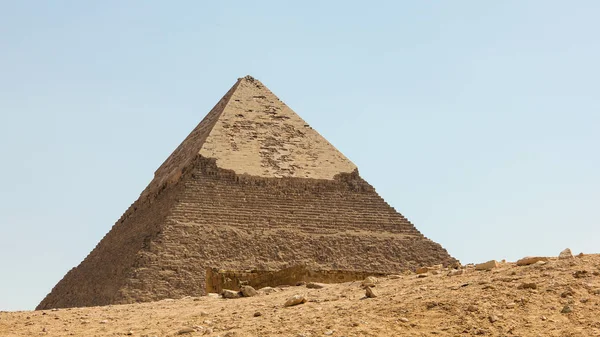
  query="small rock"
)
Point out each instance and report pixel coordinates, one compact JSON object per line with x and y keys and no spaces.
{"x":370,"y":293}
{"x":511,"y":305}
{"x":208,"y":331}
{"x":104,"y":321}
{"x":566,"y":309}
{"x":487,"y":265}
{"x":543,"y":318}
{"x":315,"y":285}
{"x":422,"y":270}
{"x":492,"y":318}
{"x":581,"y":274}
{"x":257,"y":314}
{"x":565,"y":254}
{"x":435,"y":272}
{"x":129,"y":333}
{"x":328,"y":332}
{"x":530,"y":260}
{"x":295,"y":300}
{"x":369,"y":281}
{"x":580,"y":254}
{"x":394,"y":276}
{"x":248,"y":291}
{"x":403,"y":319}
{"x":212,"y":295}
{"x":230,"y":294}
{"x":185,"y":331}
{"x":421,"y":275}
{"x":472,"y":308}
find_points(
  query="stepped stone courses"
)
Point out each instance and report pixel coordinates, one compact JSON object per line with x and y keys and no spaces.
{"x":252,"y":187}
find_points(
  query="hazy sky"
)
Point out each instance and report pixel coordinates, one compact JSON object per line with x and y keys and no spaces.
{"x":477,"y":120}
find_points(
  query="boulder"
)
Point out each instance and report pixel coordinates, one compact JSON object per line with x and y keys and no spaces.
{"x":487,"y":265}
{"x":248,"y":291}
{"x":230,"y":293}
{"x":422,"y":270}
{"x":295,"y":300}
{"x":565,"y":254}
{"x":267,"y":290}
{"x":530,"y":260}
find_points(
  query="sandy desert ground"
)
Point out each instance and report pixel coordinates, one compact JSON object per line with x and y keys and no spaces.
{"x":557,"y":297}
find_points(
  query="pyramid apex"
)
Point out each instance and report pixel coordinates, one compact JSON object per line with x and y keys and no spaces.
{"x":248,"y":78}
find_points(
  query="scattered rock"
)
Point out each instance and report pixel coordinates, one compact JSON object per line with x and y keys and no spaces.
{"x":565,"y":254}
{"x":530,"y":260}
{"x":421,"y":275}
{"x":581,"y":274}
{"x":185,"y":331}
{"x":403,"y":319}
{"x":370,"y":293}
{"x":104,"y":321}
{"x":511,"y":305}
{"x":394,"y":277}
{"x":257,"y":314}
{"x":328,"y":332}
{"x":129,"y":333}
{"x":295,"y":300}
{"x":248,"y":291}
{"x":315,"y":285}
{"x":580,"y":254}
{"x":492,"y":318}
{"x":566,"y":309}
{"x":230,"y":294}
{"x":487,"y":265}
{"x":369,"y":281}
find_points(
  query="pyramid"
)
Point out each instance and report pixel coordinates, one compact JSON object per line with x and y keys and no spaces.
{"x":253,"y":186}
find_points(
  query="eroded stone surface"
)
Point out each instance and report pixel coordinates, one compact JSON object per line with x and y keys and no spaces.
{"x":252,"y":187}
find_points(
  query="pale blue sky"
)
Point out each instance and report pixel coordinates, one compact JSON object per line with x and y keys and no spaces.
{"x":477,"y":120}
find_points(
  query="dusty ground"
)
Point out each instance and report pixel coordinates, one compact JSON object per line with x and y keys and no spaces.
{"x":508,"y":301}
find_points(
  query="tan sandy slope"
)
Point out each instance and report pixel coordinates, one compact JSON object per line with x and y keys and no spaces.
{"x":553,"y":298}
